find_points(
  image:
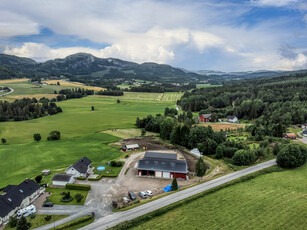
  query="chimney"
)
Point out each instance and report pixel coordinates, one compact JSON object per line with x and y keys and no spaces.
{"x":27,"y":180}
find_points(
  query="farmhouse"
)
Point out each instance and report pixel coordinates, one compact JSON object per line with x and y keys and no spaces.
{"x":232,"y":119}
{"x":62,"y":179}
{"x":289,"y":136}
{"x":205,"y":117}
{"x":130,"y":147}
{"x":162,"y":165}
{"x":81,"y":168}
{"x":16,"y":197}
{"x":304,"y":132}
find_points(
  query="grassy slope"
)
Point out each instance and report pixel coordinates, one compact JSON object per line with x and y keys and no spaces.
{"x":271,"y":201}
{"x":28,"y":160}
{"x":77,"y":118}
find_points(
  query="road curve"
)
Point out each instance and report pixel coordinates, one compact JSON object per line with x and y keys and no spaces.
{"x":12,"y":90}
{"x":118,"y":217}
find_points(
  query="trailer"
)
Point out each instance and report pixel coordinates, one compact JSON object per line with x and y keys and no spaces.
{"x":26,"y":211}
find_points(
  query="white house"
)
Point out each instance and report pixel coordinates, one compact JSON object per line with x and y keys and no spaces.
{"x":82,"y":168}
{"x":62,"y":179}
{"x":195,"y":152}
{"x":17,"y":197}
{"x":232,"y":119}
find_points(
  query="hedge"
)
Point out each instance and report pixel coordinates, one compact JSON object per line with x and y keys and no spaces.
{"x":84,"y":187}
{"x":102,"y":175}
{"x":74,"y":222}
{"x":81,"y":178}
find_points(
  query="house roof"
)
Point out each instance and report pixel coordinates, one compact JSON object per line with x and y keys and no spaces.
{"x":229,"y":117}
{"x":82,"y":165}
{"x":14,"y":197}
{"x":61,"y":177}
{"x":290,"y":134}
{"x":165,"y":164}
{"x":9,"y":188}
{"x":206,"y":115}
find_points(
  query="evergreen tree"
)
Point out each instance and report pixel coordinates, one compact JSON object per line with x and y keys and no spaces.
{"x":23,"y":224}
{"x":174,"y":184}
{"x":219,"y":152}
{"x":276,"y":149}
{"x":200,"y":167}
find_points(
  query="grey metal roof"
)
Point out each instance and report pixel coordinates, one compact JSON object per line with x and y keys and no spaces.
{"x":229,"y":117}
{"x":172,"y":156}
{"x":163,"y":164}
{"x":207,"y":115}
{"x":61,"y":177}
{"x":14,"y":197}
{"x":82,"y":165}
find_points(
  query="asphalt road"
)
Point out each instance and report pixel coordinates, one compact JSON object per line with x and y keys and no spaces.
{"x":12,"y":90}
{"x":118,"y":217}
{"x":304,"y":138}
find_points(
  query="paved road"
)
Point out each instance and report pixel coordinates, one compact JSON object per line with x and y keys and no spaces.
{"x":118,"y":217}
{"x":304,"y":138}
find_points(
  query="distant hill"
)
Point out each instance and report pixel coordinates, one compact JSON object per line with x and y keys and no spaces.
{"x":87,"y":65}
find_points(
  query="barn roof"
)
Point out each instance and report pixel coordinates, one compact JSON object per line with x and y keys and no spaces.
{"x":132,"y":146}
{"x":290,"y":135}
{"x":165,"y":162}
{"x":206,"y":115}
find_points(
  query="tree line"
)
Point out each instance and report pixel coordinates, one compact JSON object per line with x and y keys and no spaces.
{"x":73,"y":93}
{"x":27,"y":109}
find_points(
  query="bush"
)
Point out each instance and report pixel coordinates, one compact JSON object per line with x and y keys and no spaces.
{"x":243,"y":157}
{"x":54,"y":135}
{"x":79,"y":197}
{"x":219,"y":152}
{"x":81,"y":178}
{"x":83,"y":187}
{"x":48,"y":217}
{"x":291,"y":156}
{"x":13,"y":221}
{"x":116,"y":164}
{"x":38,"y":178}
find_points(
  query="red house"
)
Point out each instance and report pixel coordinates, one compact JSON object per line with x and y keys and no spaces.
{"x":205,"y":117}
{"x":162,"y":165}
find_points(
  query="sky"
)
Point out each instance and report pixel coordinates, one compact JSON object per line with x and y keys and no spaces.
{"x":220,"y":35}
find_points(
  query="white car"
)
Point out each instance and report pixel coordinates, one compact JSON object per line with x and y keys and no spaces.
{"x":148,"y":193}
{"x":126,"y":199}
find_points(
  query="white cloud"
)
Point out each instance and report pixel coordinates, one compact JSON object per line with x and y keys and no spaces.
{"x":276,"y":3}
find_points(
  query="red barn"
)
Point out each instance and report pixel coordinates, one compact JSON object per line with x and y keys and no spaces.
{"x":130,"y":147}
{"x":162,"y":165}
{"x":205,"y":117}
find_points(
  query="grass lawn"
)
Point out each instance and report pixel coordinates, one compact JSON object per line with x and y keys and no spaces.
{"x":56,"y":196}
{"x":128,"y":133}
{"x":86,"y":220}
{"x":109,"y":170}
{"x":39,"y":220}
{"x":28,"y":160}
{"x":198,"y":86}
{"x":271,"y":201}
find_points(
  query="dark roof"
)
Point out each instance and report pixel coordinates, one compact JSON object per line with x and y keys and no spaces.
{"x":61,"y":177}
{"x":9,"y":188}
{"x":171,"y":156}
{"x":14,"y":197}
{"x":229,"y":117}
{"x":163,"y":164}
{"x":305,"y":131}
{"x":82,"y":165}
{"x":206,"y":115}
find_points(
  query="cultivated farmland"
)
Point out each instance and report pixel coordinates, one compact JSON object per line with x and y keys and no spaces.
{"x":272,"y":201}
{"x":224,"y":126}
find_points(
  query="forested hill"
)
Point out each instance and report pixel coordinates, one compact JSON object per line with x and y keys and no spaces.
{"x":275,"y":100}
{"x":89,"y":66}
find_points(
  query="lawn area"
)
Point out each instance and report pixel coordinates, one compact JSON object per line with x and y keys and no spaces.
{"x":39,"y":220}
{"x":217,"y":126}
{"x":109,"y":170}
{"x":271,"y":201}
{"x":56,"y":196}
{"x":198,"y":86}
{"x":28,"y":160}
{"x":77,"y":119}
{"x":77,"y":223}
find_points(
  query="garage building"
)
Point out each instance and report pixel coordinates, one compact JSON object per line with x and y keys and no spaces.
{"x":162,"y":165}
{"x":62,"y":179}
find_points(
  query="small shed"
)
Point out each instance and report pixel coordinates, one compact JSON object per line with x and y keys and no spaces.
{"x":131,"y":147}
{"x":195,"y":152}
{"x":46,"y":172}
{"x":205,"y":117}
{"x":290,"y":136}
{"x":62,"y":179}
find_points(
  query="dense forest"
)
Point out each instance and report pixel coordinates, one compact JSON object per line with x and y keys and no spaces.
{"x":73,"y":93}
{"x":275,"y":103}
{"x":26,"y":109}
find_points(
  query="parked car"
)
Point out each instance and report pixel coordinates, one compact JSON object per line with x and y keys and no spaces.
{"x":143,"y":195}
{"x":126,"y":199}
{"x":131,"y":195}
{"x":48,"y":204}
{"x":148,"y":193}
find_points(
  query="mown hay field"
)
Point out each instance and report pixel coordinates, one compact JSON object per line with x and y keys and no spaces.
{"x":224,"y":126}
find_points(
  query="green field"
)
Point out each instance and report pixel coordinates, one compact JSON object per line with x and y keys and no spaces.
{"x":77,"y":118}
{"x":271,"y":201}
{"x":19,"y":161}
{"x":198,"y":86}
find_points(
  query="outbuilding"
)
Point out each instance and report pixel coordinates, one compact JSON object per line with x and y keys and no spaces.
{"x":162,"y":165}
{"x":205,"y":117}
{"x":130,"y":147}
{"x":289,"y":136}
{"x":232,"y":119}
{"x":62,"y":179}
